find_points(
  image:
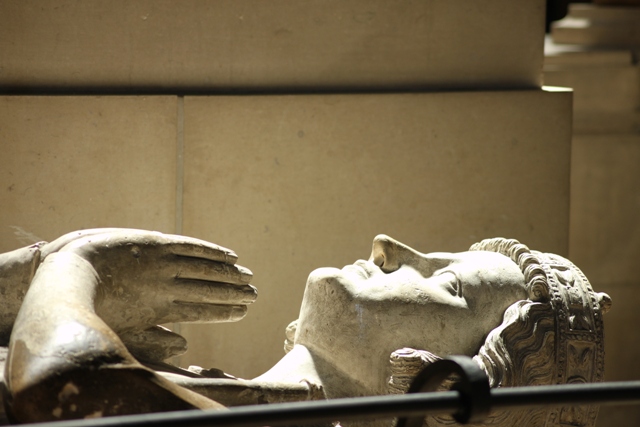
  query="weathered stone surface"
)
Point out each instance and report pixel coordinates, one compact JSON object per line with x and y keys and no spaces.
{"x":605,"y":207}
{"x":93,"y":300}
{"x":280,"y":45}
{"x":438,"y":171}
{"x":528,"y":318}
{"x":74,"y":162}
{"x":355,"y":323}
{"x":610,"y":25}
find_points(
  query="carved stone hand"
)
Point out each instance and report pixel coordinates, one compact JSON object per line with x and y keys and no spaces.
{"x":93,"y":286}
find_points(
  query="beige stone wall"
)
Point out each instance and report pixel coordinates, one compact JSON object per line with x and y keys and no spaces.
{"x":68,"y":163}
{"x":270,"y":45}
{"x":605,"y":243}
{"x":605,"y":179}
{"x":291,"y":183}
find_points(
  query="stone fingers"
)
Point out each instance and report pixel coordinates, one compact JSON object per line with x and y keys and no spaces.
{"x":156,"y":343}
{"x":182,"y":267}
{"x":196,"y":248}
{"x":200,"y":291}
{"x":189,"y":312}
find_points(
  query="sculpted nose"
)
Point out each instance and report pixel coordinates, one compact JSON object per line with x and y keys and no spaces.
{"x":389,"y":254}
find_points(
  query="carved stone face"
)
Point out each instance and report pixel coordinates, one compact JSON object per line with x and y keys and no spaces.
{"x":352,"y":319}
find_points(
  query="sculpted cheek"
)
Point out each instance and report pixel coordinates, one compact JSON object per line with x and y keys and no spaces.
{"x":326,"y":307}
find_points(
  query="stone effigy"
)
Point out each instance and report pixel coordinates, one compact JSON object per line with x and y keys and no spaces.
{"x":84,"y":340}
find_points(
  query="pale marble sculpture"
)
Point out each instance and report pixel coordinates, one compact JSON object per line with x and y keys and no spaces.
{"x":355,"y":336}
{"x":356,"y":324}
{"x":92,"y":293}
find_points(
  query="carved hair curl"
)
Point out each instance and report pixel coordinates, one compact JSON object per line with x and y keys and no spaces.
{"x":515,"y":353}
{"x":527,"y":260}
{"x":523,"y":350}
{"x":519,"y":352}
{"x":529,"y":347}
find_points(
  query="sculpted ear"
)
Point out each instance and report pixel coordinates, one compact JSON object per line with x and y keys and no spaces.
{"x":448,"y":281}
{"x":604,"y":301}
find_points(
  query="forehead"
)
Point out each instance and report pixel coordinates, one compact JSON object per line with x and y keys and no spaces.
{"x":483,"y":257}
{"x":484,"y":266}
{"x":479,"y":260}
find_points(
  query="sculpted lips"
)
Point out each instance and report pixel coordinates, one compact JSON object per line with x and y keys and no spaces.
{"x":362,"y":268}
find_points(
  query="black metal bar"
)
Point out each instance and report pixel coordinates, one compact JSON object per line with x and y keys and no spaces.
{"x":287,"y":413}
{"x":374,"y":407}
{"x":609,"y":393}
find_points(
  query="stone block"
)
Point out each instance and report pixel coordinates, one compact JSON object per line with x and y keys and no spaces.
{"x":284,"y":45}
{"x":82,"y":162}
{"x":605,"y":207}
{"x":293,"y":183}
{"x":606,"y":13}
{"x":606,"y":123}
{"x":599,"y":26}
{"x":606,"y":98}
{"x":622,"y":350}
{"x":601,"y":89}
{"x":558,"y":56}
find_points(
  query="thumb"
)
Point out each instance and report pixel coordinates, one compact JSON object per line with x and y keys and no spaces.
{"x":154,"y":344}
